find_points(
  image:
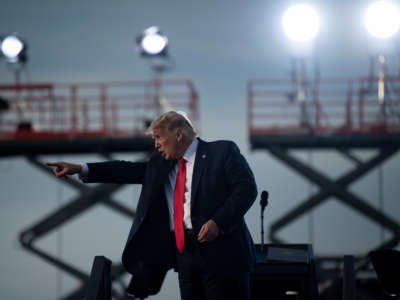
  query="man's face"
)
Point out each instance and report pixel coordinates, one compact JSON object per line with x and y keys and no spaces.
{"x":166,"y":143}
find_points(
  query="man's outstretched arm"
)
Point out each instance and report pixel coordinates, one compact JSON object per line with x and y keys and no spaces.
{"x":103,"y":172}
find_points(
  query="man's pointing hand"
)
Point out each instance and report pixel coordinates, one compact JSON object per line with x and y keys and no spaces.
{"x":62,"y":168}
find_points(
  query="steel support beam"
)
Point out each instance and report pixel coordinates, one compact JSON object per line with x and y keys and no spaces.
{"x":337,"y":188}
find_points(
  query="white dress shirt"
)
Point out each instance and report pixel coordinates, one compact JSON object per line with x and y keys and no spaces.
{"x":169,"y":185}
{"x":83,"y":175}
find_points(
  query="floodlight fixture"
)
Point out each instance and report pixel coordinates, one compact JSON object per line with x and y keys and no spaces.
{"x":13,"y":49}
{"x":301,"y":23}
{"x":152,"y":42}
{"x":382,"y":19}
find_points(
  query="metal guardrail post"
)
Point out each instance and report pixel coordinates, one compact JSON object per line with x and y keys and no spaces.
{"x":349,"y":282}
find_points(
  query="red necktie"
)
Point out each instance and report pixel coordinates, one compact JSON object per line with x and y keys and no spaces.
{"x":179,"y":195}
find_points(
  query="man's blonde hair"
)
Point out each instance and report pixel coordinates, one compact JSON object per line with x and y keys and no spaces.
{"x":171,"y":121}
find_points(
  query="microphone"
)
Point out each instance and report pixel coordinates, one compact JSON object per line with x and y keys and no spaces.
{"x":264,"y":200}
{"x":263,"y":203}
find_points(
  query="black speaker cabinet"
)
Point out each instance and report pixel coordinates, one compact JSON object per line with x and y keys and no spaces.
{"x":284,"y":271}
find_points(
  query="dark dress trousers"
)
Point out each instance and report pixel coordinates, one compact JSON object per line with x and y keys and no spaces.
{"x":223,"y":189}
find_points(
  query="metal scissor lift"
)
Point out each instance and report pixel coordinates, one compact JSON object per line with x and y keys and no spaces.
{"x":274,"y":127}
{"x":97,"y":118}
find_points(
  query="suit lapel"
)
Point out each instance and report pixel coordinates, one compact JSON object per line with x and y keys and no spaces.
{"x":199,"y":164}
{"x":164,"y":170}
{"x":160,"y":171}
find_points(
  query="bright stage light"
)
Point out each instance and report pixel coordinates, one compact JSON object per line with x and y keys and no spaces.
{"x":12,"y":47}
{"x":300,"y":23}
{"x":152,"y":42}
{"x":382,"y":19}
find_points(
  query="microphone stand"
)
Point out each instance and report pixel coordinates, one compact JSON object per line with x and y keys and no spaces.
{"x":263,"y":203}
{"x":262,"y":230}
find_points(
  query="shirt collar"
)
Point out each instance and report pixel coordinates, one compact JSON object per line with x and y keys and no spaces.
{"x":190,"y":152}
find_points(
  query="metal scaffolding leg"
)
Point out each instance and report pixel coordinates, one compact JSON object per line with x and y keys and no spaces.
{"x":89,"y":196}
{"x":337,"y":188}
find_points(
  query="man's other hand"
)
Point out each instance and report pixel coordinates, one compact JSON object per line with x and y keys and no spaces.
{"x":62,"y":169}
{"x":208,"y":232}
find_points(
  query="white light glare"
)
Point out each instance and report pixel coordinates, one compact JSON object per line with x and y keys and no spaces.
{"x":382,"y":19}
{"x":153,"y":42}
{"x":300,"y":22}
{"x":11,"y":47}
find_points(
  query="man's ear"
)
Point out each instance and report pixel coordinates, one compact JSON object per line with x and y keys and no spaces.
{"x":179,"y":135}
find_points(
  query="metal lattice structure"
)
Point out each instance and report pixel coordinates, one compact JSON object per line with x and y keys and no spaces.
{"x":98,"y":118}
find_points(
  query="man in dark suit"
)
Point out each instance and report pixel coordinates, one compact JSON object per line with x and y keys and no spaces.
{"x":190,"y":213}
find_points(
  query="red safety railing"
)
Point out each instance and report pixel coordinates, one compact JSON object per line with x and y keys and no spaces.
{"x":112,"y":109}
{"x":334,"y":106}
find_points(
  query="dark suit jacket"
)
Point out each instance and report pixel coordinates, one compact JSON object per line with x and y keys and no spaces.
{"x":223,"y":189}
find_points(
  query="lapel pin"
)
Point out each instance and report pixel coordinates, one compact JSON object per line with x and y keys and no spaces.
{"x":203,"y":156}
